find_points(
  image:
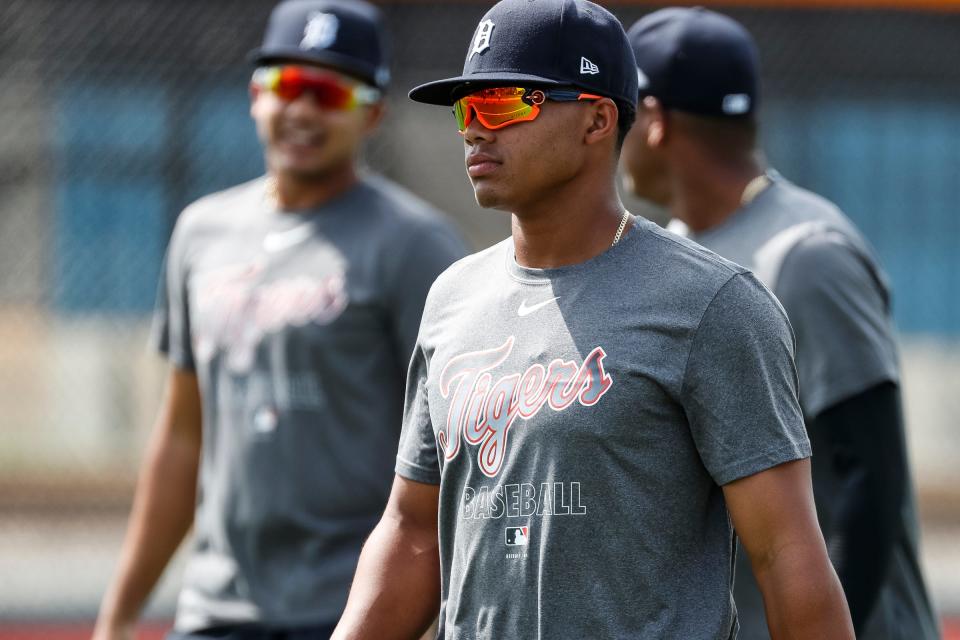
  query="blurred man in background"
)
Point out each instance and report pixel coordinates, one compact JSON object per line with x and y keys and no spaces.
{"x":288,"y":312}
{"x":593,"y":399}
{"x":694,"y":150}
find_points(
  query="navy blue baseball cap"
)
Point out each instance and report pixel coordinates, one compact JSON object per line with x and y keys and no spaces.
{"x":546,"y":43}
{"x":696,"y":60}
{"x":347,"y":35}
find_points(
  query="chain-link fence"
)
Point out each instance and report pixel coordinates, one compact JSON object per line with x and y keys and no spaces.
{"x":114,"y":114}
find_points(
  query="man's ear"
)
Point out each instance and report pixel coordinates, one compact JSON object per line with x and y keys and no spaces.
{"x":656,"y":122}
{"x":375,"y":114}
{"x":603,"y":122}
{"x":254,"y":92}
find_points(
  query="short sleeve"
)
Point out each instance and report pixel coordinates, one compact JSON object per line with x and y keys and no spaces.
{"x":417,"y":457}
{"x":171,"y":320}
{"x":838,"y":306}
{"x":740,"y":384}
{"x":423,"y":255}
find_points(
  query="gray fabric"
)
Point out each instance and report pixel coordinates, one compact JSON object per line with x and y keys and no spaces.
{"x":828,"y":280}
{"x":299,"y":326}
{"x":836,"y":296}
{"x":638,"y":383}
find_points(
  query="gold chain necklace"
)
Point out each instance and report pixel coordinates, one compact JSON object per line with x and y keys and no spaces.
{"x":753,"y":189}
{"x":623,"y":225}
{"x":271,"y":192}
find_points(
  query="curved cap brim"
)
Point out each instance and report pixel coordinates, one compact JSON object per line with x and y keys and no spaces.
{"x":446,"y":92}
{"x":358,"y":69}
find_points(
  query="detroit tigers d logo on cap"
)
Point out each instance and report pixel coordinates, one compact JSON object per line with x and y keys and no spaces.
{"x":320,"y":31}
{"x":481,"y":40}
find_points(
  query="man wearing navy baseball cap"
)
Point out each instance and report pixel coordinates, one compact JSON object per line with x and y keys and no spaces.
{"x":591,"y":400}
{"x":288,"y":312}
{"x":694,"y":150}
{"x":342,"y":35}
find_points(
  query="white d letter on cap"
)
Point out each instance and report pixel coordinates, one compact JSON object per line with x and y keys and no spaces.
{"x":320,"y":32}
{"x":481,"y":41}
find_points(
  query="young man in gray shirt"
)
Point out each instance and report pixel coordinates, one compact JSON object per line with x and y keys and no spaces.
{"x":592,"y":400}
{"x":288,"y":312}
{"x":694,"y":151}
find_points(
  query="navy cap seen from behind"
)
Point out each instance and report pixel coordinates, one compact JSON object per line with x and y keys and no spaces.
{"x":696,"y":60}
{"x":347,"y":35}
{"x":547,"y":43}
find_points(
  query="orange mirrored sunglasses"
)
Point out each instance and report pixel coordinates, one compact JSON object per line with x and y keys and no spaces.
{"x":499,"y":107}
{"x":328,"y":90}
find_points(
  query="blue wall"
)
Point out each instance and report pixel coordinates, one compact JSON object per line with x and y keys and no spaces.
{"x":127,"y":160}
{"x":893,"y":166}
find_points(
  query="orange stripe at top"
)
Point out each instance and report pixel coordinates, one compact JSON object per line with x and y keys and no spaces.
{"x":901,"y":5}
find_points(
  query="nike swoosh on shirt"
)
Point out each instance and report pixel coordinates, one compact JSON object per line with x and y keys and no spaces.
{"x":280,"y":240}
{"x":524,"y":310}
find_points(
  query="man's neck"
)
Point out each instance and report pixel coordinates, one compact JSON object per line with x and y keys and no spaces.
{"x":706,"y":196}
{"x":571,"y":227}
{"x":300,"y":193}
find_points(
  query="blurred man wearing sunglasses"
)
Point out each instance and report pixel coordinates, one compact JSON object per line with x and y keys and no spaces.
{"x":694,"y":150}
{"x":592,"y":400}
{"x":289,"y":312}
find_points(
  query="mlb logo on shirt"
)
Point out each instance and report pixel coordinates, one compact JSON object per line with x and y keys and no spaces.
{"x":517,"y":536}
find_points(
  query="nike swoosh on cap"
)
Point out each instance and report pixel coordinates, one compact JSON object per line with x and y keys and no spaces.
{"x":524,"y":310}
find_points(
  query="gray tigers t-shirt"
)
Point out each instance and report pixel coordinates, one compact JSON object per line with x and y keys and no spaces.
{"x":299,"y":327}
{"x":580,"y":422}
{"x":836,"y":296}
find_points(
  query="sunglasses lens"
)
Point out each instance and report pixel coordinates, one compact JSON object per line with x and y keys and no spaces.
{"x":328,"y":91}
{"x":461,"y":109}
{"x":495,"y":108}
{"x":288,"y":84}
